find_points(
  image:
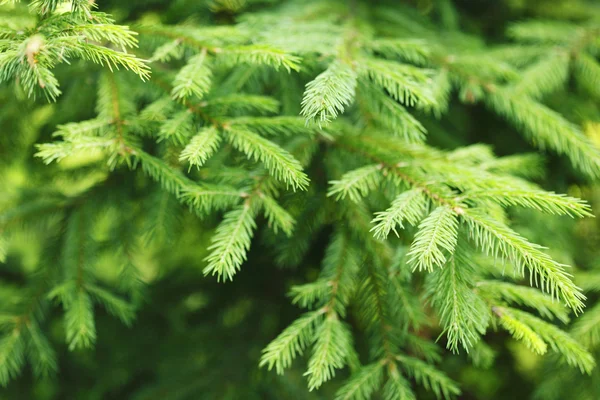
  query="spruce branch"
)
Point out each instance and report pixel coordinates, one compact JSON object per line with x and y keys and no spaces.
{"x":428,"y":376}
{"x":548,"y":202}
{"x":201,"y":147}
{"x":193,"y":79}
{"x":258,"y":54}
{"x":329,"y":93}
{"x":292,"y":341}
{"x":278,"y":161}
{"x":206,"y":198}
{"x":363,"y":383}
{"x":405,"y":83}
{"x":463,"y":313}
{"x":410,"y":206}
{"x":526,"y":296}
{"x":546,"y":128}
{"x":437,"y":233}
{"x":356,"y":184}
{"x":330,"y":351}
{"x":500,"y":241}
{"x":570,"y":351}
{"x":231,"y":242}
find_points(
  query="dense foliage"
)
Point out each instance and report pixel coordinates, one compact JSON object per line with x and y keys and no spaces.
{"x":292,"y":199}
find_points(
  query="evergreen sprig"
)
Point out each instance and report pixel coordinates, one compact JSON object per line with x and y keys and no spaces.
{"x":307,"y":131}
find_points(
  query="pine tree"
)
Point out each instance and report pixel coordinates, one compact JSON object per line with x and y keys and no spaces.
{"x":298,"y":199}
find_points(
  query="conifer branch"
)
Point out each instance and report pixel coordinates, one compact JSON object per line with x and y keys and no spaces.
{"x":278,"y":161}
{"x":201,"y":147}
{"x":500,"y":241}
{"x":291,"y":342}
{"x":437,"y":232}
{"x":405,"y":83}
{"x":356,"y":184}
{"x":362,"y":384}
{"x":546,"y":128}
{"x":193,"y":79}
{"x":463,"y":314}
{"x":330,"y":351}
{"x":410,"y":206}
{"x":231,"y":242}
{"x":428,"y":376}
{"x":329,"y":93}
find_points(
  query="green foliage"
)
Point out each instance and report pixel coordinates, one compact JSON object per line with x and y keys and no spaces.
{"x":278,"y":161}
{"x":409,"y":206}
{"x":222,"y":164}
{"x":231,"y":242}
{"x":437,"y":232}
{"x":329,"y":93}
{"x":193,"y":79}
{"x":463,"y":313}
{"x":201,"y":147}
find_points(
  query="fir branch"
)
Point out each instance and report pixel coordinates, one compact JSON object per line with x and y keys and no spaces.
{"x":57,"y":151}
{"x":405,"y":83}
{"x":499,"y":240}
{"x":441,"y":88}
{"x":356,"y":184}
{"x":589,"y":281}
{"x":410,"y":206}
{"x":525,"y":296}
{"x":112,"y":59}
{"x":273,"y":126}
{"x":258,"y":54}
{"x":524,"y":165}
{"x":178,"y":128}
{"x":482,"y":355}
{"x":168,"y":51}
{"x":83,"y":128}
{"x":546,"y":128}
{"x":201,"y":147}
{"x":105,"y":29}
{"x":570,"y":351}
{"x":549,"y":202}
{"x":277,"y":217}
{"x":3,"y":247}
{"x":169,"y":178}
{"x":429,"y":377}
{"x":308,"y":294}
{"x":205,"y":198}
{"x":586,"y":329}
{"x":242,"y":102}
{"x":389,"y":113}
{"x":587,"y":73}
{"x":463,"y":314}
{"x":437,"y":232}
{"x":329,"y":93}
{"x":193,"y":79}
{"x":362,"y":384}
{"x":292,"y":341}
{"x":415,"y":51}
{"x":331,"y":349}
{"x":544,"y":77}
{"x":397,"y":387}
{"x":113,"y":304}
{"x":278,"y":161}
{"x":79,"y":320}
{"x":12,"y":357}
{"x":231,"y":242}
{"x":553,"y":32}
{"x":40,"y":353}
{"x":522,"y":332}
{"x":340,"y":266}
